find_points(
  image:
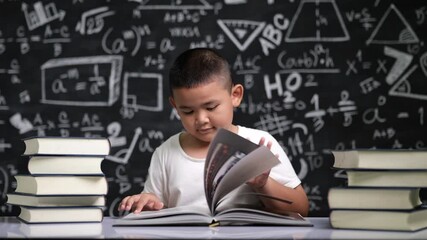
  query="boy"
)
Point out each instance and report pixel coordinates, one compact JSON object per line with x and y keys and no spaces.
{"x":204,"y":96}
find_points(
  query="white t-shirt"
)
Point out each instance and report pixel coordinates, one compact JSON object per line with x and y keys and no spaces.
{"x":177,"y":179}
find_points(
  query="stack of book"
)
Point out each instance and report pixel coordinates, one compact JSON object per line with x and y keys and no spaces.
{"x":65,"y":182}
{"x":382,"y":192}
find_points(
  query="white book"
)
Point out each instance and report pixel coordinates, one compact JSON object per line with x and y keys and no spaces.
{"x":61,"y":214}
{"x":66,"y":146}
{"x":399,"y":220}
{"x":32,"y":200}
{"x":61,"y":184}
{"x":387,"y":178}
{"x":380,"y":159}
{"x":65,"y":165}
{"x":373,"y":198}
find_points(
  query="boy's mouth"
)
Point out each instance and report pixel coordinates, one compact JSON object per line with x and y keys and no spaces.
{"x":205,"y":130}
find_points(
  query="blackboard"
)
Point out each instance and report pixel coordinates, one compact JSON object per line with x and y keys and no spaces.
{"x":318,"y":75}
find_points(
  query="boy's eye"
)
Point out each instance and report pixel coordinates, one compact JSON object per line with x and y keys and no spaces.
{"x":187,"y":112}
{"x":211,"y":108}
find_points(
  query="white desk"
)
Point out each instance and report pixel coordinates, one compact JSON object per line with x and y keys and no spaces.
{"x":11,"y":227}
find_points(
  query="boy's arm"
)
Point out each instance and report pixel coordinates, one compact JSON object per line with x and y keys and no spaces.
{"x":264,"y":184}
{"x":296,"y":195}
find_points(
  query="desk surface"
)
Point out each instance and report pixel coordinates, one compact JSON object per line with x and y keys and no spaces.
{"x":11,"y":227}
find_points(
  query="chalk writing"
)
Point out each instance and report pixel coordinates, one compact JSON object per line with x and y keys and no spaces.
{"x":96,"y":77}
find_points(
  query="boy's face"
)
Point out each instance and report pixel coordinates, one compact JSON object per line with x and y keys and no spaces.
{"x":205,"y":108}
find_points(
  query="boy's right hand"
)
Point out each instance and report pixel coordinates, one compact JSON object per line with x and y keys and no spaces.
{"x":139,"y":202}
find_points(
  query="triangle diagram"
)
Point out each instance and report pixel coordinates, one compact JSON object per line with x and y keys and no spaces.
{"x":404,"y":87}
{"x":393,"y":29}
{"x":241,"y":32}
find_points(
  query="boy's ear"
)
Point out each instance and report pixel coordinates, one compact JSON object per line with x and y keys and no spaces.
{"x":237,"y":94}
{"x":172,"y":101}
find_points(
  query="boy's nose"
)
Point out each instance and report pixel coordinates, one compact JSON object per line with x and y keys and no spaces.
{"x":201,"y":118}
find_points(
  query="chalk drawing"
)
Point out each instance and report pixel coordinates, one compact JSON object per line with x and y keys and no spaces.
{"x":3,"y":103}
{"x":114,"y":206}
{"x":347,"y":107}
{"x":303,"y":169}
{"x":41,"y":14}
{"x":114,"y":130}
{"x":235,"y":2}
{"x":368,"y":85}
{"x":4,"y":145}
{"x":92,"y":21}
{"x":372,"y":115}
{"x":402,"y":62}
{"x":97,"y":78}
{"x":135,"y":99}
{"x":274,"y":124}
{"x":400,"y":33}
{"x":209,"y":42}
{"x":324,"y":28}
{"x":295,"y":145}
{"x":363,"y":17}
{"x":22,"y":124}
{"x":249,"y":65}
{"x":423,"y":63}
{"x":315,"y":60}
{"x":124,"y":41}
{"x":241,"y":32}
{"x":24,"y":97}
{"x":421,"y":14}
{"x":174,"y":5}
{"x":403,"y":115}
{"x":118,"y":156}
{"x":403,"y":88}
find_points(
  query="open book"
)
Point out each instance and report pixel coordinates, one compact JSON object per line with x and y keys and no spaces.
{"x":231,"y":161}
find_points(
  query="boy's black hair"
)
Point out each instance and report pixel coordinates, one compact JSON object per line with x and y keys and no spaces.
{"x":194,"y":67}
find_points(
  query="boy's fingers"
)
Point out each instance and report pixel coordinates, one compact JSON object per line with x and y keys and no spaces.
{"x":140,"y":205}
{"x":159,"y":205}
{"x":154,"y":205}
{"x":129,"y":203}
{"x":149,"y":205}
{"x":138,"y":202}
{"x":122,"y":205}
{"x":262,"y":141}
{"x":269,"y":144}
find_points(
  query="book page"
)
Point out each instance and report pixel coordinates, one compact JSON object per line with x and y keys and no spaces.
{"x":255,"y":216}
{"x":253,"y":164}
{"x":220,"y":161}
{"x":231,"y":161}
{"x":166,"y":212}
{"x":168,"y":216}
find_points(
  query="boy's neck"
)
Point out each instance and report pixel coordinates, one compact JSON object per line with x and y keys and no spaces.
{"x":195,"y":148}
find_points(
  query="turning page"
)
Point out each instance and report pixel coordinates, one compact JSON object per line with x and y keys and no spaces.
{"x":231,"y":161}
